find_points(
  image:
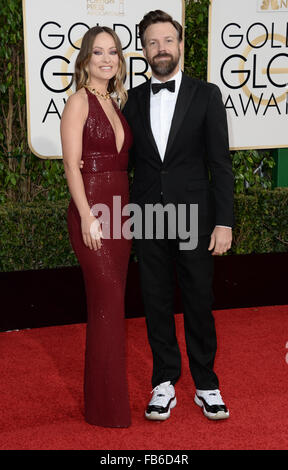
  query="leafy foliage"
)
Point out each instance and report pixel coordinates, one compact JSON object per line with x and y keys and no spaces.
{"x":196,"y":38}
{"x":252,"y":169}
{"x":23,"y":176}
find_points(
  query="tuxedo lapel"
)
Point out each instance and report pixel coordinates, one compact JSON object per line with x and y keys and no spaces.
{"x":144,"y":107}
{"x":185,"y":96}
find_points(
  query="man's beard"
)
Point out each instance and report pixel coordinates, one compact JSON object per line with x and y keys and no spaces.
{"x":164,"y":67}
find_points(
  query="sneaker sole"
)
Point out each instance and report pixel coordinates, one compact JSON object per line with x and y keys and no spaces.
{"x":154,"y":416}
{"x":213,"y":416}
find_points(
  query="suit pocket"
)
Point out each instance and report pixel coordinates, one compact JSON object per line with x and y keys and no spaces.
{"x":197,"y":184}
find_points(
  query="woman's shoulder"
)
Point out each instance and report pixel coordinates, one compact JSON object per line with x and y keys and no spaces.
{"x":76,"y":106}
{"x":77,"y":103}
{"x":79,"y":98}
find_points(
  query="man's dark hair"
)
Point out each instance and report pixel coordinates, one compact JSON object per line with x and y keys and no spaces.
{"x":158,"y":16}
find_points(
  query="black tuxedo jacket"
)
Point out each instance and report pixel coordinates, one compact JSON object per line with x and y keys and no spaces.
{"x":197,"y":166}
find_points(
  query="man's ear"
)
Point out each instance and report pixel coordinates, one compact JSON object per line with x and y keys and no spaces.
{"x":144,"y":52}
{"x":181,"y":47}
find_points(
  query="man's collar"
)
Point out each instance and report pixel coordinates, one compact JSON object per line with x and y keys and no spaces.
{"x":177,"y":77}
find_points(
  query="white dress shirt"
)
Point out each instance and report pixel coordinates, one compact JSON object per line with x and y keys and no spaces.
{"x":162,"y":107}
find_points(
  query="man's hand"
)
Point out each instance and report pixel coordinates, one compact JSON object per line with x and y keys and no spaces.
{"x":81,"y":164}
{"x":221,"y":239}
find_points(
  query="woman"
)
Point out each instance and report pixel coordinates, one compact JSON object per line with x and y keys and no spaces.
{"x":93,"y":129}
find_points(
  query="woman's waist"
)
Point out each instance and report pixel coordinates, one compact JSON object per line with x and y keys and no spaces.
{"x":113,"y":197}
{"x":106,"y":182}
{"x":104,"y":163}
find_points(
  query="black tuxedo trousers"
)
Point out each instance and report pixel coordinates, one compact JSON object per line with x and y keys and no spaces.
{"x":161,"y":263}
{"x":196,"y":170}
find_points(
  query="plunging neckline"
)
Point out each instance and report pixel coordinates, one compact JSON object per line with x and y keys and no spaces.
{"x":109,"y":122}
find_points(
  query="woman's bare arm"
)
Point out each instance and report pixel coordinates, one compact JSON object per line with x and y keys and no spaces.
{"x":72,"y":123}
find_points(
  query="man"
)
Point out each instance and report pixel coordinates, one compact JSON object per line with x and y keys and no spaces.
{"x":181,"y":156}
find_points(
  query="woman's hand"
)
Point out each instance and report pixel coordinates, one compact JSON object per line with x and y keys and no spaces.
{"x":91,"y":232}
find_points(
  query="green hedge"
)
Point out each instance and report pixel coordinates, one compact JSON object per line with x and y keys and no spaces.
{"x":261,"y":222}
{"x":35,"y":236}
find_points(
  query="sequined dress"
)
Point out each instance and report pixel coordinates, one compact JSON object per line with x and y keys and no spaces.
{"x":105,"y":270}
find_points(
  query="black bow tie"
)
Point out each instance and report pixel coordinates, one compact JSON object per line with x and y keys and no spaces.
{"x":156,"y":87}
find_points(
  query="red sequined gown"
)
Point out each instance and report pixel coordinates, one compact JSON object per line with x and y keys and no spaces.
{"x":104,"y":176}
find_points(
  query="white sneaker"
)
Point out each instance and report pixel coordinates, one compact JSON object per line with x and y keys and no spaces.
{"x":162,"y":401}
{"x":212,"y":403}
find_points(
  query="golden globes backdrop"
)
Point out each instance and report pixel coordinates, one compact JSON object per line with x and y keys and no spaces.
{"x":248,"y":60}
{"x":53,"y":31}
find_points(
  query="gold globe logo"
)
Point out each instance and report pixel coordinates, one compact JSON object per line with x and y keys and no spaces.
{"x":271,"y":71}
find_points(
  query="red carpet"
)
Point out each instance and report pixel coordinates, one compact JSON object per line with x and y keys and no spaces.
{"x":41,"y":389}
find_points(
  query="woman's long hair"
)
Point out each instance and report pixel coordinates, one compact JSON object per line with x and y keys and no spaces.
{"x":81,"y":75}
